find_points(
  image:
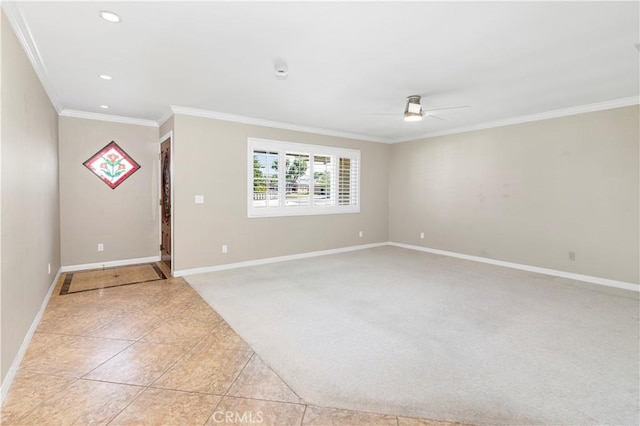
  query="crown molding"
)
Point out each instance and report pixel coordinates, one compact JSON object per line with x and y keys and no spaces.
{"x":22,"y":31}
{"x":107,"y":117}
{"x":164,"y":118}
{"x":582,"y":109}
{"x":268,"y":123}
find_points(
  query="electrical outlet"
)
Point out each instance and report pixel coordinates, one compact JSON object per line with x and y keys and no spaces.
{"x":225,"y":248}
{"x":422,"y":235}
{"x":100,"y":247}
{"x":572,"y":256}
{"x":361,"y":234}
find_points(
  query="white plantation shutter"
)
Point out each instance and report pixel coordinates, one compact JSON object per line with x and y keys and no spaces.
{"x":348,"y":181}
{"x":286,"y":179}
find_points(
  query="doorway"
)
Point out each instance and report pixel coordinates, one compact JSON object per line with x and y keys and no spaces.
{"x":165,"y":201}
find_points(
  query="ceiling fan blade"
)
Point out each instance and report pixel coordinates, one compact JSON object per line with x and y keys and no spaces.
{"x":444,"y":109}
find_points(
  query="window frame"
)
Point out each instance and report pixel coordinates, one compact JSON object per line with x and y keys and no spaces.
{"x":283,"y":148}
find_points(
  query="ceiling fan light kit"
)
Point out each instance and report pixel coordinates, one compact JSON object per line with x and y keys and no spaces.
{"x":413,"y":109}
{"x":410,"y":116}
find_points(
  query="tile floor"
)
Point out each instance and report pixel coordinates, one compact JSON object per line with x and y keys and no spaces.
{"x":154,"y":353}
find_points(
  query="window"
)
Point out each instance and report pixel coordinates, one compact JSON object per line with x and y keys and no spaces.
{"x":297,"y":179}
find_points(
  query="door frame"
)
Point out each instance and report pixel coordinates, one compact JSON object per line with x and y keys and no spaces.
{"x":162,"y":139}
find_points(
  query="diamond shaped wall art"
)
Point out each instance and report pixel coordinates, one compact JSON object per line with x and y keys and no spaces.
{"x":112,"y":165}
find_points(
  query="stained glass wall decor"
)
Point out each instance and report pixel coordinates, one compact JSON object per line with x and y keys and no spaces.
{"x":112,"y":164}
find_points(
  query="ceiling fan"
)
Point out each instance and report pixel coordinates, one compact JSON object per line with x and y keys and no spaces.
{"x":413,"y":110}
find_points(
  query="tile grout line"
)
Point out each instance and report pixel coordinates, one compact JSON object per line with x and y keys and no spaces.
{"x":304,"y":413}
{"x":186,"y":391}
{"x":253,"y":356}
{"x":265,"y":400}
{"x":113,"y":383}
{"x":259,"y":399}
{"x":250,"y":359}
{"x":281,"y":379}
{"x":160,"y":323}
{"x":150,"y":385}
{"x":181,"y":357}
{"x":214,"y":411}
{"x":142,"y":390}
{"x":87,"y":336}
{"x":227,"y":391}
{"x":240,"y":373}
{"x":108,"y":359}
{"x":76,"y":379}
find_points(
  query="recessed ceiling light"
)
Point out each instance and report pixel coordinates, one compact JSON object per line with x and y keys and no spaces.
{"x":109,"y":16}
{"x":105,"y":77}
{"x":104,"y":106}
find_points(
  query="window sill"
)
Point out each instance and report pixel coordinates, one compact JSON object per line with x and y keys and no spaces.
{"x":302,"y":212}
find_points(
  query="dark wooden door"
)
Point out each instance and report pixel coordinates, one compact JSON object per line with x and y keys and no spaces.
{"x":165,"y":201}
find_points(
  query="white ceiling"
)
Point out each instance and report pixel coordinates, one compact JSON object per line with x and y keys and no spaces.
{"x":347,"y":62}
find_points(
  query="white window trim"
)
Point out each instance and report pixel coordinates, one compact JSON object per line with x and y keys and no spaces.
{"x":282,"y":147}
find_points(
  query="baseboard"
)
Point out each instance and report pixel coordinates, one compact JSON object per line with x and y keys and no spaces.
{"x":11,"y":374}
{"x":185,"y":272}
{"x":539,"y":270}
{"x":109,"y":264}
{"x":553,"y":272}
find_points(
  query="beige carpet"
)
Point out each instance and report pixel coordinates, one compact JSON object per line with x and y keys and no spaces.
{"x":396,"y":331}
